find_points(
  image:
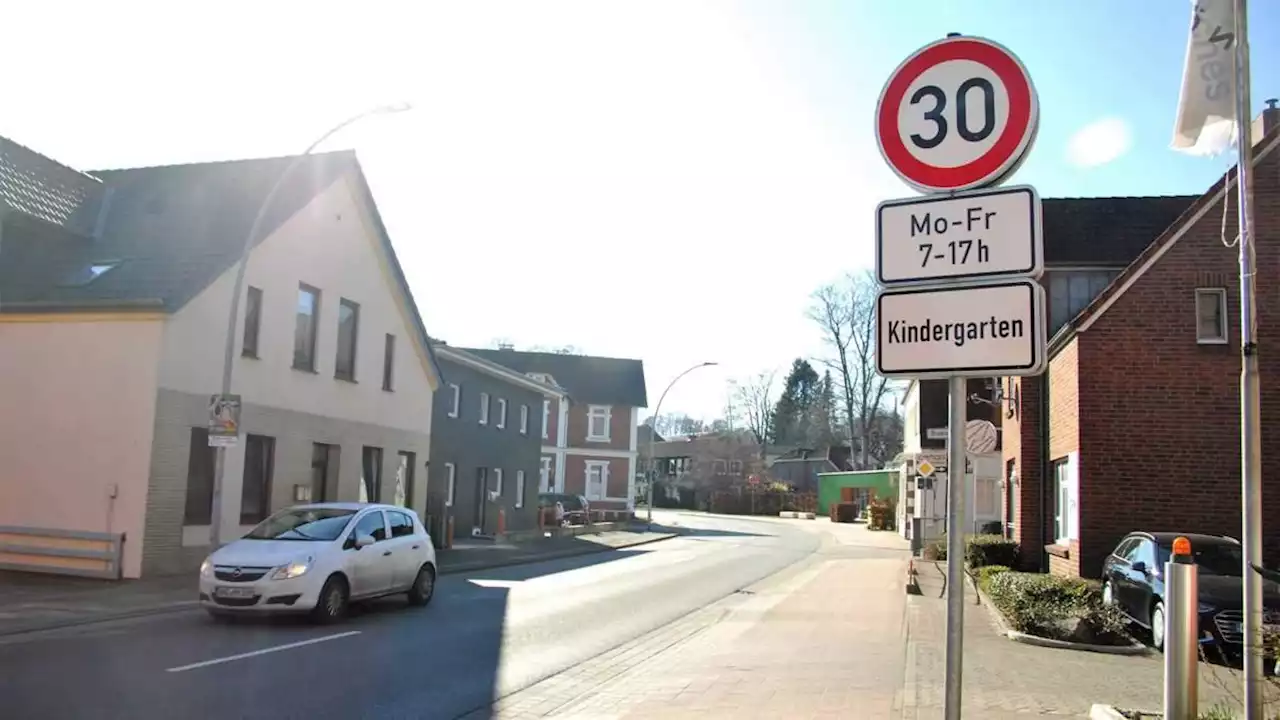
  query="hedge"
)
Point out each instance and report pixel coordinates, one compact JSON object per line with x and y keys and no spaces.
{"x":1044,"y":605}
{"x":981,"y":550}
{"x":985,"y":573}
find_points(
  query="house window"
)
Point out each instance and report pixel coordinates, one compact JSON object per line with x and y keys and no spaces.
{"x":717,"y":467}
{"x":546,"y":419}
{"x":1211,"y":316}
{"x":456,"y":393}
{"x":388,"y":362}
{"x":200,"y":456}
{"x":519,"y":488}
{"x":1061,"y":501}
{"x":1070,"y":291}
{"x":597,"y":479}
{"x":371,"y":475}
{"x":497,"y":481}
{"x":450,"y":480}
{"x":252,"y":322}
{"x":348,"y":328}
{"x":484,"y":408}
{"x":255,"y":491}
{"x":325,"y":461}
{"x":598,"y":423}
{"x":404,"y":479}
{"x":502,"y":413}
{"x":735,"y":467}
{"x":306,"y":324}
{"x":544,"y":481}
{"x":524,"y":419}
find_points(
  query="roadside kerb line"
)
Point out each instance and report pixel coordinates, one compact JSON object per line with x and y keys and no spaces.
{"x":263,"y":651}
{"x":190,"y":605}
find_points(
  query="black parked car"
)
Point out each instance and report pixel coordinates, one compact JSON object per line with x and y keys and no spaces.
{"x":1132,"y":579}
{"x":577,"y":511}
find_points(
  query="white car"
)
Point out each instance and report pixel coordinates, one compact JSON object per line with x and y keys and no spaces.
{"x":318,"y":559}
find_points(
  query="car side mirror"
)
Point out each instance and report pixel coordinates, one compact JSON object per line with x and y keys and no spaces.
{"x":363,"y":541}
{"x":1140,"y":567}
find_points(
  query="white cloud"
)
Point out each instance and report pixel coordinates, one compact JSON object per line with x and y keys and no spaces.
{"x":1099,"y":143}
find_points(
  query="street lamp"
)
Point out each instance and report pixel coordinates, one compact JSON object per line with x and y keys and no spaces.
{"x":653,"y":431}
{"x":228,"y":356}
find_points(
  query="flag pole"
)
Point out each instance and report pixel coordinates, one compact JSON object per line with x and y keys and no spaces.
{"x":1250,"y":403}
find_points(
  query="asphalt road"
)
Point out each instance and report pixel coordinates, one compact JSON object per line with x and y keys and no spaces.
{"x":485,"y":635}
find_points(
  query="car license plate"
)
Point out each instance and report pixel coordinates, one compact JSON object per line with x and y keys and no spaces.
{"x":233,"y":592}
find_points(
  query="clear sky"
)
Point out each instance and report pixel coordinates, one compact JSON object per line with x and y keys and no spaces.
{"x":660,"y":179}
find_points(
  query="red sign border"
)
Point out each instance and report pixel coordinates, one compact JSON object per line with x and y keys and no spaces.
{"x":1007,"y":152}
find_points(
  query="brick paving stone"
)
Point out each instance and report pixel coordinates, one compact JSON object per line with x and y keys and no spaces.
{"x":1004,"y":679}
{"x":827,"y":642}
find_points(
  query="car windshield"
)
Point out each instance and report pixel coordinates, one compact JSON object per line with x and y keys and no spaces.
{"x":1211,"y":558}
{"x":309,"y":524}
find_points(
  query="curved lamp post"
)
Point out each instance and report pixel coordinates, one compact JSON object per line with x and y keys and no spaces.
{"x":653,"y":431}
{"x":228,"y":356}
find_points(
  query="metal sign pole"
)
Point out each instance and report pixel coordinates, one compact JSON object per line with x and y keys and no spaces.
{"x":955,"y":546}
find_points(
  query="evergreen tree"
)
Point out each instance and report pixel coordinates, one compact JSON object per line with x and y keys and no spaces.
{"x":793,"y":415}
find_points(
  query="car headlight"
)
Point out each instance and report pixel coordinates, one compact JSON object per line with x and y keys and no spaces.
{"x":206,"y":568}
{"x":294,"y":569}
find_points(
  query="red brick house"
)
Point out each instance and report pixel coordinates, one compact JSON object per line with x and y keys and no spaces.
{"x":1135,"y":423}
{"x":589,"y":444}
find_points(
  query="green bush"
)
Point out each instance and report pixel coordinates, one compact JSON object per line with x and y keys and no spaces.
{"x":985,"y":573}
{"x":1044,"y":605}
{"x":936,"y":550}
{"x":982,"y":550}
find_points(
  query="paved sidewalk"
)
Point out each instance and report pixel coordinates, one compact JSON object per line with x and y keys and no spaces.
{"x":1005,"y":680}
{"x":822,"y":640}
{"x":31,"y":602}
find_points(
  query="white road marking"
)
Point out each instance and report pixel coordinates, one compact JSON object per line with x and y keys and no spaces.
{"x":264,"y":651}
{"x":494,"y":583}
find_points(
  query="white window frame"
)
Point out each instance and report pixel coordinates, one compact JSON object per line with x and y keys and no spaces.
{"x":497,"y":481}
{"x":457,"y":399}
{"x":546,"y":483}
{"x":1218,"y":296}
{"x":484,"y":408}
{"x":1062,"y":500}
{"x":599,"y":412}
{"x":603,"y":467}
{"x":524,"y":419}
{"x":719,"y":467}
{"x":546,"y":419}
{"x":519,"y":488}
{"x":735,"y":467}
{"x":502,"y":413}
{"x":450,"y":477}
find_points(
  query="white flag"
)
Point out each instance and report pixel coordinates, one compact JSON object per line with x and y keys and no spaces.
{"x":1206,"y":123}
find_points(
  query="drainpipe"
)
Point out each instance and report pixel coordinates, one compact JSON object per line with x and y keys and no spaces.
{"x":1046,"y":466}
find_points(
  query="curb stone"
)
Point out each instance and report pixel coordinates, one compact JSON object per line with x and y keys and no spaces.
{"x":185,"y":605}
{"x":1106,"y":712}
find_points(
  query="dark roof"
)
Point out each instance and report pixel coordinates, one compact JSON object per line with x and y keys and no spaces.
{"x":169,"y":231}
{"x":596,"y":380}
{"x":1106,"y":230}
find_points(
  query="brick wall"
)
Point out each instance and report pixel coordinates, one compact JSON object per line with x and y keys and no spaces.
{"x":1159,"y":413}
{"x":575,"y":479}
{"x":1020,"y":442}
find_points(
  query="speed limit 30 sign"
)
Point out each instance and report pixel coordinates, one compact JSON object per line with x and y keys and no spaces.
{"x":958,"y":114}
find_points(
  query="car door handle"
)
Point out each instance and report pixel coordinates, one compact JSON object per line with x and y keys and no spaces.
{"x":386,"y":553}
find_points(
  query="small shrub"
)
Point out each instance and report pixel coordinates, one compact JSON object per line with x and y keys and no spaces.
{"x":1047,"y":605}
{"x":936,"y":550}
{"x":986,"y":573}
{"x":982,"y":550}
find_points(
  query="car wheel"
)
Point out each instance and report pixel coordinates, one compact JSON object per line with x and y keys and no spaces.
{"x":332,"y":603}
{"x":1108,"y":594}
{"x":1157,"y":626}
{"x":424,"y":586}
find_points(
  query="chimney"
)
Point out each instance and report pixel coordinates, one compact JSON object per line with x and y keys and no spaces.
{"x":1266,"y":122}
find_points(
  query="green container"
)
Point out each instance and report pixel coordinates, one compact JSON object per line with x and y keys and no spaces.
{"x":882,"y":483}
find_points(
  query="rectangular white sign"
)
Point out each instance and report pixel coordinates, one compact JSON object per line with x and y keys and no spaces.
{"x":976,"y":330}
{"x":984,"y":234}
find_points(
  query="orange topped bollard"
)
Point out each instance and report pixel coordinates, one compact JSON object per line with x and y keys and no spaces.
{"x":1180,"y":634}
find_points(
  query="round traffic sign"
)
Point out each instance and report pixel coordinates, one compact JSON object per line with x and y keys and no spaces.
{"x":960,"y":113}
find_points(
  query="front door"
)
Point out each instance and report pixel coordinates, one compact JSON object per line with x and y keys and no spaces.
{"x":1010,"y":499}
{"x":481,"y":497}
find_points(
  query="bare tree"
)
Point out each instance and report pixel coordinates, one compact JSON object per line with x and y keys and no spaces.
{"x":846,"y":313}
{"x":753,"y":402}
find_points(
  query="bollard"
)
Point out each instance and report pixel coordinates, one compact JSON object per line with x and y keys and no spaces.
{"x":502,"y":521}
{"x":448,"y":528}
{"x":1181,"y":635}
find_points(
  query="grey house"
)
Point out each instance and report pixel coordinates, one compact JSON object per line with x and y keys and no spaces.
{"x":486,"y":445}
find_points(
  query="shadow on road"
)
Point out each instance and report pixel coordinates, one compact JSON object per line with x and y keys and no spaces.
{"x":686,"y":531}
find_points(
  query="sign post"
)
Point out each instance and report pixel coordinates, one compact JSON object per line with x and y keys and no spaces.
{"x":961,"y":263}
